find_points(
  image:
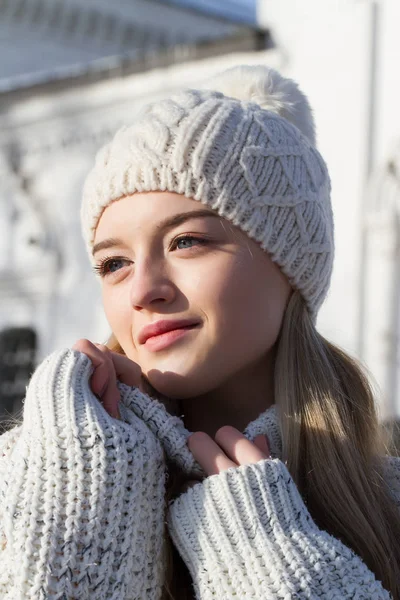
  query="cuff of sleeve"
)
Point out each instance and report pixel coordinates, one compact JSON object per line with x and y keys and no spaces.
{"x":264,"y":490}
{"x":53,"y":395}
{"x":169,"y":429}
{"x":232,"y":530}
{"x":246,"y":532}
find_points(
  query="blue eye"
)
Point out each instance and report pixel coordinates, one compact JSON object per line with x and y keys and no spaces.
{"x":186,"y":242}
{"x":109,"y":265}
{"x":112,"y":264}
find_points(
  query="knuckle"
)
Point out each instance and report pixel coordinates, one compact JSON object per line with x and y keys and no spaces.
{"x":83,"y":345}
{"x":224,"y":431}
{"x":106,"y":356}
{"x":103,"y":349}
{"x":196,"y":438}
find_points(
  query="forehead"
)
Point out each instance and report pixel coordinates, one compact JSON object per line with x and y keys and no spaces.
{"x":144,"y":208}
{"x":148,"y":213}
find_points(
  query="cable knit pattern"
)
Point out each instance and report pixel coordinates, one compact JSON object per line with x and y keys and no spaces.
{"x":392,"y":477}
{"x":250,"y":165}
{"x":268,"y":421}
{"x":170,"y":430}
{"x":246,"y":533}
{"x":82,"y":506}
{"x":81,"y":495}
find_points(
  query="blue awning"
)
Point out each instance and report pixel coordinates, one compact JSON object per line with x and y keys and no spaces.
{"x":242,"y":11}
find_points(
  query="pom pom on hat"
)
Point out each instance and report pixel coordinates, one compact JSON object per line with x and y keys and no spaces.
{"x":243,"y":144}
{"x":267,"y":88}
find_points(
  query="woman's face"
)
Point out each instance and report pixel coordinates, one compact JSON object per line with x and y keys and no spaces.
{"x":170,"y":258}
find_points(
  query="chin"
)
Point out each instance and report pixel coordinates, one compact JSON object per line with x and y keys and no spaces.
{"x":176,"y":386}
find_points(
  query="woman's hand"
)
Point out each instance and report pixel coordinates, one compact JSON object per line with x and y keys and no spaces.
{"x":229,"y":449}
{"x":108,"y":368}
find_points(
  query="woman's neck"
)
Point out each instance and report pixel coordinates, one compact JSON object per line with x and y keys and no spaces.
{"x":238,"y":402}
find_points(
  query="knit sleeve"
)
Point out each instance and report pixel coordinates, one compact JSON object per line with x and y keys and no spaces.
{"x":391,"y":471}
{"x":81,"y":494}
{"x":247,"y":533}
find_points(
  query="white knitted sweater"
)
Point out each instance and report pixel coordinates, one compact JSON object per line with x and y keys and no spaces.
{"x":82,"y":507}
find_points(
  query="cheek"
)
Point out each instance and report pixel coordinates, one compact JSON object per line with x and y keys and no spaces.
{"x":116,"y":309}
{"x":250,"y":302}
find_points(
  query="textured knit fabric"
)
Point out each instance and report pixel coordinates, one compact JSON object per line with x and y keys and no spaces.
{"x":82,"y":506}
{"x":249,"y":164}
{"x":246,"y":533}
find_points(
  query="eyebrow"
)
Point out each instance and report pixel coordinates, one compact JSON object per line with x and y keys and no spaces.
{"x":168,"y":223}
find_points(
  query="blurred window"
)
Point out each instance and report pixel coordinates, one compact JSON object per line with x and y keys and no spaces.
{"x":17,"y":361}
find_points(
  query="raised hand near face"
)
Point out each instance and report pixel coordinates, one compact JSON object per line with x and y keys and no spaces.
{"x":230,"y":448}
{"x":108,"y":368}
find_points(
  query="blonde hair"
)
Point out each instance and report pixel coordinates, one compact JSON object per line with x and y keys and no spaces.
{"x":334,"y":448}
{"x":334,"y":445}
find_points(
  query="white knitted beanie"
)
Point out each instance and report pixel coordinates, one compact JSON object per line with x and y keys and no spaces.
{"x":244,"y":145}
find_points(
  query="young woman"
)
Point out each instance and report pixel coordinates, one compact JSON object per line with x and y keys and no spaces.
{"x":216,"y":416}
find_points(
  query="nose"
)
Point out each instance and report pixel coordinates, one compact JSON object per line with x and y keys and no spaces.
{"x":151,"y":286}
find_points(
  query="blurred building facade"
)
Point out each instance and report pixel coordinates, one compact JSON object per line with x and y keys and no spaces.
{"x":78,"y":71}
{"x":73,"y":72}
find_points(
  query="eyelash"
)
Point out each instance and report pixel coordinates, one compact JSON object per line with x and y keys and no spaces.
{"x":101,"y":268}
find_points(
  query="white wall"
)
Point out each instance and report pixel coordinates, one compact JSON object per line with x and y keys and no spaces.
{"x":316,"y":42}
{"x":327,"y":48}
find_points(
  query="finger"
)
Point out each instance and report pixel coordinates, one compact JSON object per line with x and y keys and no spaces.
{"x":126,"y":370}
{"x":104,"y":372}
{"x":109,"y":395}
{"x":100,"y":376}
{"x":208,"y":454}
{"x":261,"y":441}
{"x":103,"y":381}
{"x":111,"y":398}
{"x":237,"y":447}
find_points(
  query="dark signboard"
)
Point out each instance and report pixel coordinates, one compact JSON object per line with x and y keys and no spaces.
{"x":17,"y":362}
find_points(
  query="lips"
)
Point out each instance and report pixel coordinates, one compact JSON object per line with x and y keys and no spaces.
{"x":164,"y":326}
